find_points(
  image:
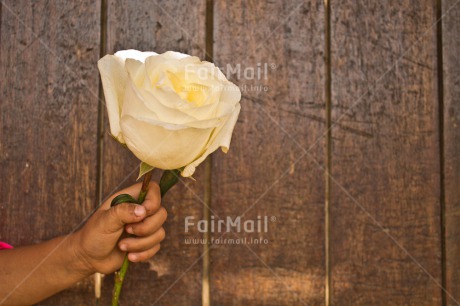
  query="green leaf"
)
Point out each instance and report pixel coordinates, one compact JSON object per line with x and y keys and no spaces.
{"x":168,"y":179}
{"x":143,"y":169}
{"x":123,"y":198}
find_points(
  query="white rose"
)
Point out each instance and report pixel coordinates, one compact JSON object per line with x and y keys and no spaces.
{"x":171,"y":110}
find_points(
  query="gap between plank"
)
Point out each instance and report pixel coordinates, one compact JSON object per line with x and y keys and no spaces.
{"x":327,"y":226}
{"x":206,"y":290}
{"x":440,"y":85}
{"x":100,"y":133}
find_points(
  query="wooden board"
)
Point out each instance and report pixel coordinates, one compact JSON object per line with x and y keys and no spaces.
{"x":387,"y":185}
{"x":385,"y":198}
{"x":173,"y":277}
{"x":48,"y":113}
{"x":451,"y":93}
{"x":266,"y":171}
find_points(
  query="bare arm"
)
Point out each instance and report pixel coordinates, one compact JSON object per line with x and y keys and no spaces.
{"x":32,"y":273}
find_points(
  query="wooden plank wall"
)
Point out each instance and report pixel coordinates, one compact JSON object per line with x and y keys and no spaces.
{"x":150,"y":25}
{"x":450,"y":85}
{"x":385,"y":194}
{"x":49,"y":94}
{"x":269,"y":171}
{"x":383,"y":75}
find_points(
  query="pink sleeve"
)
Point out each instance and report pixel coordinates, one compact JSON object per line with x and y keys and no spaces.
{"x":4,"y":245}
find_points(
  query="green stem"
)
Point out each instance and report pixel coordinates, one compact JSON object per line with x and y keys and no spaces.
{"x":119,"y":277}
{"x":145,"y":187}
{"x":168,"y":179}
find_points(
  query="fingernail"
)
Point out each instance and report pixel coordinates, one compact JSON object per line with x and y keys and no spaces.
{"x":139,"y":211}
{"x":129,"y":229}
{"x":132,"y":257}
{"x":123,"y":247}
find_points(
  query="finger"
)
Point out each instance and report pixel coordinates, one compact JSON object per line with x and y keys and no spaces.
{"x":149,"y":225}
{"x":115,"y":218}
{"x":152,"y":201}
{"x":141,"y":256}
{"x":142,"y":244}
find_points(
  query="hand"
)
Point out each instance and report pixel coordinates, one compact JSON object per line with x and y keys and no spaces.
{"x":98,"y":243}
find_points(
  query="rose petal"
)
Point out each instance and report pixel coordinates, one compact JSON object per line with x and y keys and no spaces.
{"x":142,"y":104}
{"x":168,"y":97}
{"x":113,"y":76}
{"x":230,"y":96}
{"x":220,"y":138}
{"x":134,"y":54}
{"x":175,"y":55}
{"x":157,"y":65}
{"x":162,"y":147}
{"x":145,"y":107}
{"x":136,"y":71}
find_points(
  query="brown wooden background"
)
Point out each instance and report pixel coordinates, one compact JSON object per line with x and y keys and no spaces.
{"x":354,"y":148}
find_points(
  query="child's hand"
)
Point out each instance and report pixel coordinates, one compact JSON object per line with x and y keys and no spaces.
{"x":98,"y":243}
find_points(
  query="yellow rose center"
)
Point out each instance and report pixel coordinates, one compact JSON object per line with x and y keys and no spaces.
{"x":191,"y":92}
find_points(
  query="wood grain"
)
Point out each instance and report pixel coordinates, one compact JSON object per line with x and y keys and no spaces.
{"x":385,"y":198}
{"x":266,"y":172}
{"x":173,"y":276}
{"x":386,"y":246}
{"x":48,"y":113}
{"x":451,"y":93}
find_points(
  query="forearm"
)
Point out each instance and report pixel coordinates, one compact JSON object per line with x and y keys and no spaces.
{"x":32,"y":273}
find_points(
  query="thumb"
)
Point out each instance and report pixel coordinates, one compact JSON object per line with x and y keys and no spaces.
{"x":115,"y":218}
